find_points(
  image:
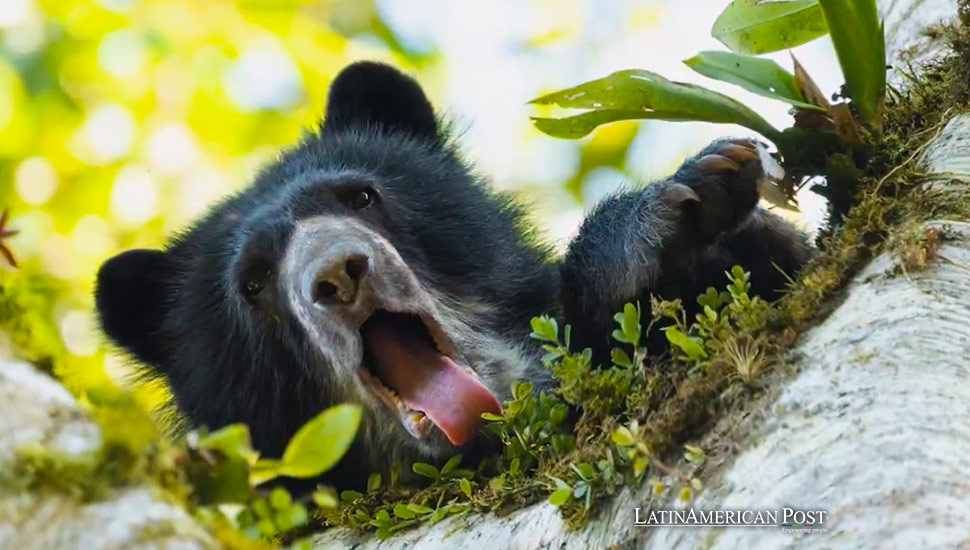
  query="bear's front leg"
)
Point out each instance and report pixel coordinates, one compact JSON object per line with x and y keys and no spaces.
{"x":633,"y":242}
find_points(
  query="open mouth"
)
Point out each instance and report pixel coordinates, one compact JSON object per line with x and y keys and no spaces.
{"x":411,"y":366}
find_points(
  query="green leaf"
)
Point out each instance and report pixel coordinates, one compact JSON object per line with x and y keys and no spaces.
{"x":584,"y":470}
{"x":623,"y":436}
{"x":296,"y":516}
{"x":350,"y":496}
{"x":761,"y":76}
{"x":760,"y":26}
{"x":521,"y":390}
{"x":466,"y":487}
{"x":691,"y":348}
{"x":860,"y":43}
{"x":419,"y":509}
{"x":264,"y":470}
{"x":560,"y":496}
{"x":545,"y":328}
{"x":232,"y":440}
{"x":620,"y":358}
{"x":452,"y":463}
{"x":325,"y":498}
{"x":620,"y":337}
{"x":492,"y":417}
{"x":373,"y":482}
{"x":639,"y":94}
{"x":280,"y":499}
{"x":402,"y":511}
{"x":320,"y":443}
{"x":425,"y":470}
{"x":514,"y":466}
{"x":630,"y":325}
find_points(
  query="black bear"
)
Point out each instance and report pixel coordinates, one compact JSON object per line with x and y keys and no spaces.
{"x":370,"y":264}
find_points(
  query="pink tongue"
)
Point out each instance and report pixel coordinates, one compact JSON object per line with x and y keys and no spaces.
{"x":430,"y":382}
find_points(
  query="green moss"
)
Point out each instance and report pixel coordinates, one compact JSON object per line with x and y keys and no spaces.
{"x":26,"y":306}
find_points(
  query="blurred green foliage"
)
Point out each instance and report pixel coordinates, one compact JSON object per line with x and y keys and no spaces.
{"x":121,"y":120}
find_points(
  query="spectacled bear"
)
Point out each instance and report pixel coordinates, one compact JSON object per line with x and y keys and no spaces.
{"x":371,"y":264}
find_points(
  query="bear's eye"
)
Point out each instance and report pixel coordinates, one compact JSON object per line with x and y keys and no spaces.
{"x":255,"y":282}
{"x":362,"y":199}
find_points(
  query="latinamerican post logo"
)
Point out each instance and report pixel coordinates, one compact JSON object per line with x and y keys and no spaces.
{"x":788,"y":519}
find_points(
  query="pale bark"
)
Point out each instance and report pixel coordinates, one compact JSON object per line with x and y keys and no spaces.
{"x":36,"y":410}
{"x":874,"y":428}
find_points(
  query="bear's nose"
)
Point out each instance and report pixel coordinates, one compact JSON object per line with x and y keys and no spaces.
{"x":339,"y":277}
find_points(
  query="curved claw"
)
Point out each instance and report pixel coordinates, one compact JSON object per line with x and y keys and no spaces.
{"x":718,"y":163}
{"x":678,"y":193}
{"x":738,"y":153}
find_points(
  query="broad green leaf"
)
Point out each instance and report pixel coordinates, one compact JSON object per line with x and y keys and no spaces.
{"x":688,"y":345}
{"x":419,"y":508}
{"x":585,"y":470}
{"x":761,"y":26}
{"x":545,"y":328}
{"x":320,"y":443}
{"x":264,"y":470}
{"x":351,"y":496}
{"x":402,"y":511}
{"x":425,"y":470}
{"x":373,"y":482}
{"x":623,"y":436}
{"x":325,"y":497}
{"x":860,"y":43}
{"x":280,"y":498}
{"x":620,"y":337}
{"x":232,"y":440}
{"x":761,"y":76}
{"x":639,"y":94}
{"x":466,"y":487}
{"x":620,"y":358}
{"x":630,"y":325}
{"x":560,"y":496}
{"x":452,"y":463}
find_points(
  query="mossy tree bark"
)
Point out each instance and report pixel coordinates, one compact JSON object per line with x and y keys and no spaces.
{"x":874,"y":428}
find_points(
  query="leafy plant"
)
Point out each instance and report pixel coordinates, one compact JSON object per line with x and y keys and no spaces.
{"x":223,"y":468}
{"x":821,"y":130}
{"x":754,"y":27}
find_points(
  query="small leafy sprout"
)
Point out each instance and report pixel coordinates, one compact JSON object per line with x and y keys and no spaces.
{"x":694,"y":454}
{"x":632,"y":449}
{"x":268,"y":517}
{"x":223,"y":468}
{"x":315,"y":448}
{"x":690,"y":346}
{"x":561,"y":494}
{"x":746,"y":358}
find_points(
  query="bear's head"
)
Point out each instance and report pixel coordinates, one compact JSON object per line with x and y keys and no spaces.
{"x":365,"y":265}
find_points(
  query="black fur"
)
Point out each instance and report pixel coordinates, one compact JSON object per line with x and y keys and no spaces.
{"x":232,"y":358}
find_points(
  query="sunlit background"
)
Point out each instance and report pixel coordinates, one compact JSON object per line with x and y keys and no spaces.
{"x":122,"y":120}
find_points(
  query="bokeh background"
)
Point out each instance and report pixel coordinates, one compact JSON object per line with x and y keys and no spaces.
{"x":122,"y":120}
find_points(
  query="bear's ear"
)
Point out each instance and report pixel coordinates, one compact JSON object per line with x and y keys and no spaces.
{"x":378,"y":96}
{"x":132,"y":295}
